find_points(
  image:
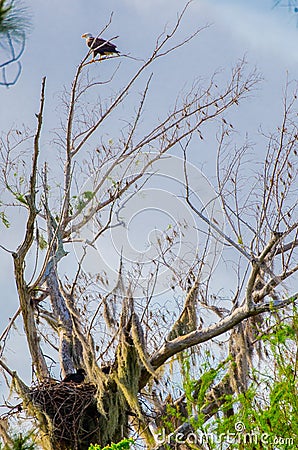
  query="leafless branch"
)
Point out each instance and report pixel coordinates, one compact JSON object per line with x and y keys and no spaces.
{"x":19,"y":257}
{"x":196,"y":337}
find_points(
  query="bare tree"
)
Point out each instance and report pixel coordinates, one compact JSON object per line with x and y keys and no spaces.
{"x":121,"y":338}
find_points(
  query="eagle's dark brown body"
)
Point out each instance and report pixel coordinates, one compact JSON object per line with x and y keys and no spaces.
{"x":100,"y":46}
{"x":77,"y":377}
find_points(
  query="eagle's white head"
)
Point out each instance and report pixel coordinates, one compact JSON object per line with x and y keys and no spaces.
{"x":87,"y":36}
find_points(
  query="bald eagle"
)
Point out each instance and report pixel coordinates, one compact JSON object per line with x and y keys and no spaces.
{"x":77,"y":377}
{"x":100,"y":46}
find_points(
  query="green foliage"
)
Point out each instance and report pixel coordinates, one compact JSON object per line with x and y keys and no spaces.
{"x":42,"y":243}
{"x":114,"y":182}
{"x":280,"y":335}
{"x":21,"y":198}
{"x":82,"y":200}
{"x":4,"y":219}
{"x":88,"y":195}
{"x":125,"y":444}
{"x":195,"y":390}
{"x":267,"y":412}
{"x":5,"y":9}
{"x":195,"y":395}
{"x":265,"y":416}
{"x":20,"y":442}
{"x":14,"y":18}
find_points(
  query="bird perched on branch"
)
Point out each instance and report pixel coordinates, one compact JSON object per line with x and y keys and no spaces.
{"x":100,"y":46}
{"x":77,"y":377}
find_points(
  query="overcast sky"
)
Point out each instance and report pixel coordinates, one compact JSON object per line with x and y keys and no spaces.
{"x":267,"y":38}
{"x":238,"y":27}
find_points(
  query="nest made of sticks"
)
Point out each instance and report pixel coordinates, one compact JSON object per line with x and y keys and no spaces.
{"x":70,"y":410}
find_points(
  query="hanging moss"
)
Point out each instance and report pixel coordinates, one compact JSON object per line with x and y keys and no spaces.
{"x":139,"y":343}
{"x":114,"y":425}
{"x":128,"y":372}
{"x":187,"y":321}
{"x":128,"y":378}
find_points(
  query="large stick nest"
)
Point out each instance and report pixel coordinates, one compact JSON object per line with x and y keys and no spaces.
{"x":70,"y":412}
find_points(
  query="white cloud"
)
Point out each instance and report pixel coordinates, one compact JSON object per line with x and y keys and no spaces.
{"x":155,"y":6}
{"x":257,"y":26}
